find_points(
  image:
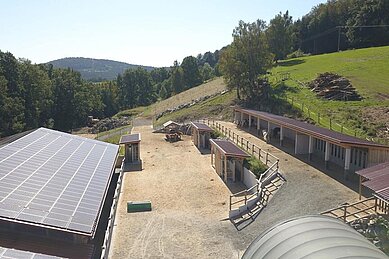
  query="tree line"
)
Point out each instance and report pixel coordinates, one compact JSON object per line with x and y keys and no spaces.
{"x":256,"y":46}
{"x":34,"y":95}
{"x":329,"y":27}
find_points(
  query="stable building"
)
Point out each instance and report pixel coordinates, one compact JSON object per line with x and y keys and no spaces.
{"x":331,"y":147}
{"x":227,"y":159}
{"x":201,"y":134}
{"x":55,"y":192}
{"x":131,"y":144}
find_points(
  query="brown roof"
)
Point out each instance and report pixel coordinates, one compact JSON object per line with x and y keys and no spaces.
{"x":311,"y":129}
{"x":228,"y":148}
{"x":378,"y":179}
{"x":374,"y":171}
{"x":201,"y":126}
{"x":130,"y":139}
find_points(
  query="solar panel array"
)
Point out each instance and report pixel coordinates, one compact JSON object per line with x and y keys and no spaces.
{"x":55,"y":179}
{"x":9,"y":253}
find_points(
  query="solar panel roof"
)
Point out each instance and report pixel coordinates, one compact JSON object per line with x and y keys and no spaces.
{"x":55,"y":179}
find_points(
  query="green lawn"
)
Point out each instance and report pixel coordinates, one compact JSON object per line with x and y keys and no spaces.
{"x":368,"y":71}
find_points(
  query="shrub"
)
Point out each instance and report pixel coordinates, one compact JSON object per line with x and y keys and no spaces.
{"x":255,"y":166}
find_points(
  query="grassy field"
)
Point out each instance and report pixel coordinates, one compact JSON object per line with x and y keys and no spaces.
{"x":217,"y":107}
{"x":368,"y":71}
{"x":213,"y":86}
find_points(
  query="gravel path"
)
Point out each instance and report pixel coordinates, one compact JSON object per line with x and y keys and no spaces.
{"x":190,"y":202}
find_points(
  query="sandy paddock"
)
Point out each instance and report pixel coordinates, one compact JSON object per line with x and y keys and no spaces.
{"x":189,"y":205}
{"x":190,"y":202}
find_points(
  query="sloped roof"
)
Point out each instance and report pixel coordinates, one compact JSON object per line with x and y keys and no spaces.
{"x":201,"y":126}
{"x":55,"y":180}
{"x":129,"y":139}
{"x":311,"y":129}
{"x":315,"y":236}
{"x":228,"y":148}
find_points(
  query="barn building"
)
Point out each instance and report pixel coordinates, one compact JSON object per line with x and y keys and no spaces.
{"x":227,"y":159}
{"x":131,"y":144}
{"x":333,"y":148}
{"x":201,"y":134}
{"x":55,"y":192}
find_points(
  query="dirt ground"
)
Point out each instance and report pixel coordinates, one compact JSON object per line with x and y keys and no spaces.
{"x":190,"y":202}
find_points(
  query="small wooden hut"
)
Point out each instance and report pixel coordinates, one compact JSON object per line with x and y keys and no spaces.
{"x":201,"y":134}
{"x":131,"y":144}
{"x":227,"y":159}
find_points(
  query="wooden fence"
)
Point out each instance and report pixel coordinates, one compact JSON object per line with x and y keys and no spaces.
{"x":267,"y":158}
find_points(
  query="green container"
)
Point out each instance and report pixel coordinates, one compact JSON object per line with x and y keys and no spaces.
{"x":138,"y":206}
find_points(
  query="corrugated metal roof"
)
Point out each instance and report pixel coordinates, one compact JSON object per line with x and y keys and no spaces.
{"x":311,"y":129}
{"x":384,"y":194}
{"x":129,"y":139}
{"x":228,"y":148}
{"x":375,"y":171}
{"x":201,"y":126}
{"x":311,"y":237}
{"x":378,"y":183}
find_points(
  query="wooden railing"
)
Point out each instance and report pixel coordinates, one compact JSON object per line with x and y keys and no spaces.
{"x":342,"y":212}
{"x":242,"y":197}
{"x":111,"y":220}
{"x":264,"y":156}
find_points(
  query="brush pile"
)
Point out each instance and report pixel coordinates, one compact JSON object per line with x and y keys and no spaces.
{"x":334,"y":87}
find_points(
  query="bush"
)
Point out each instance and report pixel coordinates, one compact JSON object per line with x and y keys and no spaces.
{"x":255,"y":166}
{"x":216,"y":134}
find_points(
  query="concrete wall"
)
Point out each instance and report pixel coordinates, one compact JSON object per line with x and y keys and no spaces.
{"x":249,"y":178}
{"x":302,"y":142}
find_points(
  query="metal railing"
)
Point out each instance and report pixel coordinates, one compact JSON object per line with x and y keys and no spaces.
{"x":111,"y":220}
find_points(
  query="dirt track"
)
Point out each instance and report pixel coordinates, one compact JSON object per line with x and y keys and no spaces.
{"x":190,"y":203}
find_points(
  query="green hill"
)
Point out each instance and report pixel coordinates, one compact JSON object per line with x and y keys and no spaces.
{"x":95,"y":69}
{"x":368,"y":71}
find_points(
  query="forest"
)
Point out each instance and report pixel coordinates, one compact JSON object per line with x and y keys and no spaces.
{"x":34,"y":95}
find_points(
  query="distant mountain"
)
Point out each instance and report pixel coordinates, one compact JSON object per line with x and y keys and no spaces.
{"x":95,"y":69}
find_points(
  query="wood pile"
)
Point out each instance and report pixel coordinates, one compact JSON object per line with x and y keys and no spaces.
{"x":334,"y":87}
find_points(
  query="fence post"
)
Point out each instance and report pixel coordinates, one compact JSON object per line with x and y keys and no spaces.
{"x":341,"y":128}
{"x":302,"y":106}
{"x":318,"y":118}
{"x":241,"y":141}
{"x":247,"y":145}
{"x":344,"y":212}
{"x":267,"y":157}
{"x":253,"y":150}
{"x":330,"y":124}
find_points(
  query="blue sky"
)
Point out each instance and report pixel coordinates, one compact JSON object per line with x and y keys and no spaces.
{"x":148,"y":32}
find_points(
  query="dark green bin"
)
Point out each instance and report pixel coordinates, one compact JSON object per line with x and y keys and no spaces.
{"x":138,"y":206}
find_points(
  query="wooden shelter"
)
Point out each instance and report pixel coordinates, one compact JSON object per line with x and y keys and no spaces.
{"x":201,"y":134}
{"x":333,"y":147}
{"x":227,"y":159}
{"x":131,"y":147}
{"x":376,"y":178}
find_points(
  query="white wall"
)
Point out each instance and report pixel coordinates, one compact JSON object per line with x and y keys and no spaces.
{"x":302,"y":144}
{"x":249,"y":178}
